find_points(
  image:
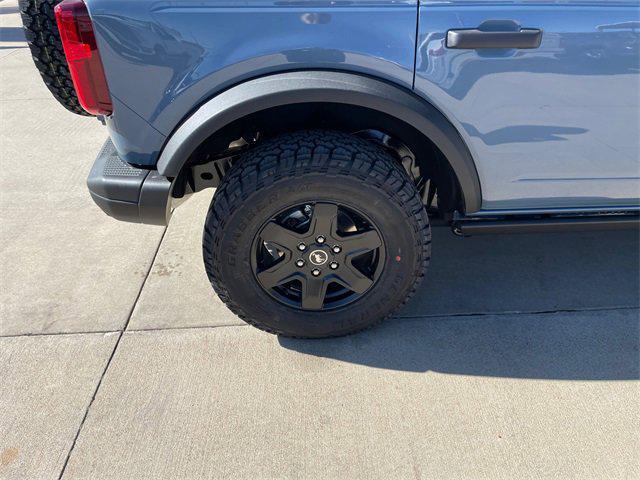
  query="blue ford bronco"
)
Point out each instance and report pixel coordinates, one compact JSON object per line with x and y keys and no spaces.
{"x":334,"y":130}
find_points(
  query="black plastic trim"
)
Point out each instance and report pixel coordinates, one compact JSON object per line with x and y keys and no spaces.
{"x":127,"y":193}
{"x":538,"y":225}
{"x":323,"y":86}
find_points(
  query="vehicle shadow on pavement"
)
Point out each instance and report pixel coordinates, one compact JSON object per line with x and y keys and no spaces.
{"x":533,"y":306}
{"x":11,"y":34}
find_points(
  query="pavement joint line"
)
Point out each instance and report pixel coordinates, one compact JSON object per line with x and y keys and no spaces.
{"x":402,"y":317}
{"x":55,"y":334}
{"x":113,"y":352}
{"x":11,"y":53}
{"x":146,"y":277}
{"x":519,"y":312}
{"x":8,"y":100}
{"x":195,"y":327}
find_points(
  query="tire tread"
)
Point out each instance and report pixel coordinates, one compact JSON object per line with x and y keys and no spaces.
{"x":43,"y":37}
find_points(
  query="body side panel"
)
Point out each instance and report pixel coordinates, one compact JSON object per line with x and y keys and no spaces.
{"x":164,"y":59}
{"x":552,"y":127}
{"x":136,"y":141}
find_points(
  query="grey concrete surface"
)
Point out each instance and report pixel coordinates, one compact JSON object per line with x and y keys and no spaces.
{"x":65,"y":266}
{"x":20,"y":85}
{"x":464,"y":383}
{"x":532,"y":396}
{"x":177,"y":292}
{"x":46,"y":385}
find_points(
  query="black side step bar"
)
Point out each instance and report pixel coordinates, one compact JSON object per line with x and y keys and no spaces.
{"x":465,"y":226}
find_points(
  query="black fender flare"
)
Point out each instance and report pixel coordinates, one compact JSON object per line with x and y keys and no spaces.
{"x":323,"y":86}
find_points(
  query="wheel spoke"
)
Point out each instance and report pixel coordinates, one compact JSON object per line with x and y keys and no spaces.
{"x":282,"y":272}
{"x":350,"y":277}
{"x":324,"y":220}
{"x":274,"y":233}
{"x":360,"y":243}
{"x":314,"y":290}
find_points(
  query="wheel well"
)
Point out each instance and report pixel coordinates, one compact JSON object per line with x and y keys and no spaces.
{"x":422,"y":159}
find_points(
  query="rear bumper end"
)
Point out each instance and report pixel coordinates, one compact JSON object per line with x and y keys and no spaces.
{"x":127,"y":193}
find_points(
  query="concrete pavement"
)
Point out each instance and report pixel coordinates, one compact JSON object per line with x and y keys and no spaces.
{"x":532,"y":396}
{"x":518,"y":357}
{"x":47,"y":383}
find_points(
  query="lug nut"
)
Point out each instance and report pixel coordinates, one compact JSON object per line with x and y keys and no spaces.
{"x":315,"y":272}
{"x":300,"y":263}
{"x":302,"y":247}
{"x":333,"y":265}
{"x":336,"y":249}
{"x":320,"y":239}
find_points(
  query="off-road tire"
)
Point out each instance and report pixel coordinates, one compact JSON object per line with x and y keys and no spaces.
{"x":43,"y":37}
{"x":315,"y":166}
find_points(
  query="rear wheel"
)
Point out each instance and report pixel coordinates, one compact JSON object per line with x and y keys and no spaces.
{"x":43,"y":37}
{"x":316,"y":234}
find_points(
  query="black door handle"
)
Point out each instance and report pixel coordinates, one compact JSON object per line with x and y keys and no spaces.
{"x":475,"y":38}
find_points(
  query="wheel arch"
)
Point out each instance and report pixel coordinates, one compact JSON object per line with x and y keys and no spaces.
{"x":323,"y":87}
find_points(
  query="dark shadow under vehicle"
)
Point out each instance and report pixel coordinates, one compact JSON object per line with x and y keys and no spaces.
{"x":465,"y":322}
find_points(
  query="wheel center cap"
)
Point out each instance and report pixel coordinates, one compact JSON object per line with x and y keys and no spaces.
{"x":318,"y":257}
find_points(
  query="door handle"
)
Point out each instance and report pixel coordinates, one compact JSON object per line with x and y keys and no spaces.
{"x":474,"y":38}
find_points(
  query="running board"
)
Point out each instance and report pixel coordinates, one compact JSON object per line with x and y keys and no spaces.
{"x":467,"y":226}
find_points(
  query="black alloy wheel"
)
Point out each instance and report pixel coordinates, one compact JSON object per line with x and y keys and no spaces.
{"x":318,"y":256}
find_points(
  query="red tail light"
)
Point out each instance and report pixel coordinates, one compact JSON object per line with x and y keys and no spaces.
{"x":81,"y":50}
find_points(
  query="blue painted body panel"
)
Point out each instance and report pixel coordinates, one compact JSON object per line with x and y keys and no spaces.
{"x":551,"y":127}
{"x":164,"y":59}
{"x":554,"y":127}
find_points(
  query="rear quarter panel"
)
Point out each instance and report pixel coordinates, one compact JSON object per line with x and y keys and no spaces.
{"x":164,"y":59}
